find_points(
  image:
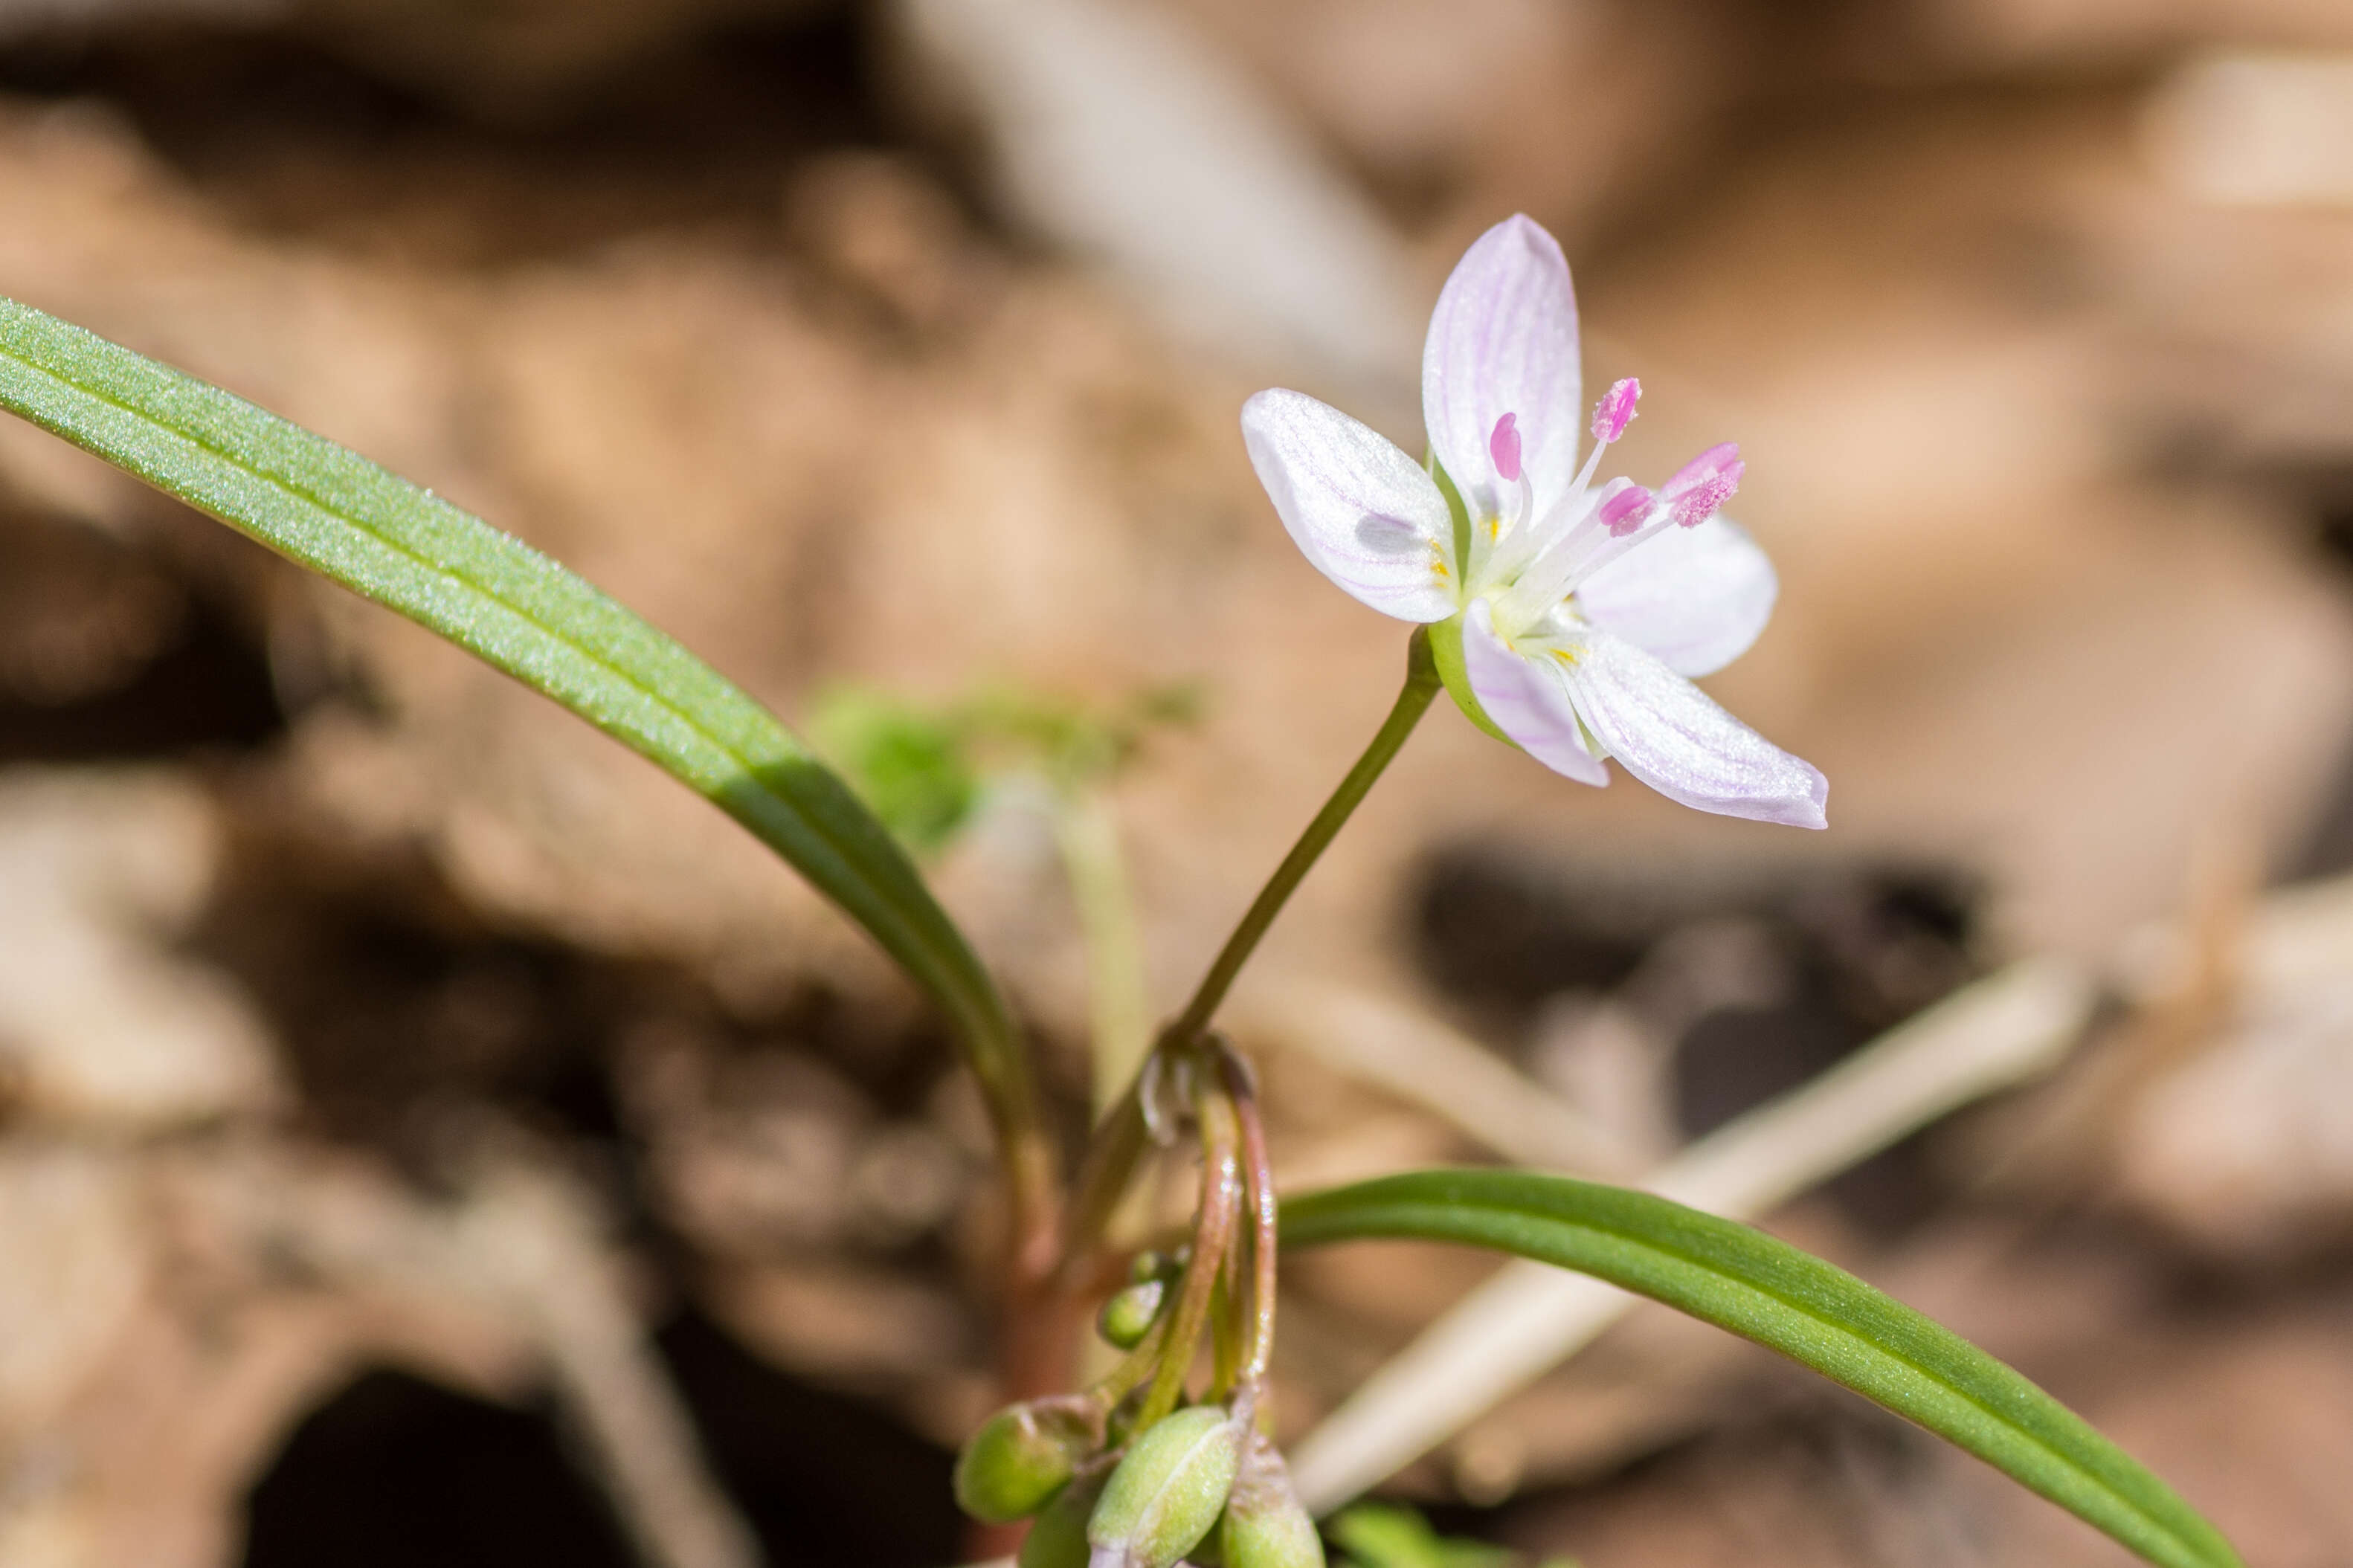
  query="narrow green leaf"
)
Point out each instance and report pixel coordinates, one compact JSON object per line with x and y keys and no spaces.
{"x":1741,"y":1279}
{"x":332,"y":510}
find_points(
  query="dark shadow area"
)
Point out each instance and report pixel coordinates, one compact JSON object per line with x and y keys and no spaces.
{"x":1503,"y":933}
{"x":397,"y":1003}
{"x":395,"y":1471}
{"x":822,"y":1478}
{"x":109,"y":654}
{"x":2326,"y":495}
{"x":1762,"y":977}
{"x":295,"y":136}
{"x":2325,"y":492}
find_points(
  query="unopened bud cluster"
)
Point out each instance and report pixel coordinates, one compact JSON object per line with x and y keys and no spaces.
{"x":1200,"y":1481}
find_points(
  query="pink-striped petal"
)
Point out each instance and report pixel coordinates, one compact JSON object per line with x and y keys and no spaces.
{"x":1668,"y":733}
{"x":1695,"y":598}
{"x":1526,"y":698}
{"x":1504,"y":341}
{"x":1363,"y":511}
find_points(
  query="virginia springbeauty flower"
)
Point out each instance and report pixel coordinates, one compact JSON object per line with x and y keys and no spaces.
{"x":1567,"y":618}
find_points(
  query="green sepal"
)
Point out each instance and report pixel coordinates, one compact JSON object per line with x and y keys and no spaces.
{"x":1455,"y":509}
{"x":1446,"y":636}
{"x":1446,"y":651}
{"x":1169,"y":1490}
{"x":1265,"y":1525}
{"x":1057,"y":1538}
{"x":1022,"y":1455}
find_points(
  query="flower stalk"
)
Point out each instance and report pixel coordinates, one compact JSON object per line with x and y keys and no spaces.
{"x":1421,"y":686}
{"x":1234,"y":1157}
{"x":1122,"y":1134}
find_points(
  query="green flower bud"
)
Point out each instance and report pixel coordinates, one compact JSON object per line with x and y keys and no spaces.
{"x":1020,"y":1456}
{"x":1167,"y":1492}
{"x":1265,"y":1526}
{"x":1127,"y":1317}
{"x":1059,"y":1538}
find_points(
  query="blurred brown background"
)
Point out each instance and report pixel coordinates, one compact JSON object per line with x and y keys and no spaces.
{"x":428,"y":1134}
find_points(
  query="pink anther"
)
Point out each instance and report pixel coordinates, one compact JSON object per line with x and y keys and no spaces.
{"x":1621,"y":511}
{"x":1504,"y":446}
{"x":1705,"y":483}
{"x":1616,"y":409}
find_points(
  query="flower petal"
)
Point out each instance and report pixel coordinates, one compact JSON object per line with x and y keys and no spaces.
{"x":1527,"y":700}
{"x":1693,"y":597}
{"x":1504,"y":341}
{"x":1671,"y":736}
{"x":1363,"y":511}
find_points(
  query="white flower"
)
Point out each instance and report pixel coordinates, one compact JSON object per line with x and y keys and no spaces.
{"x":1566,"y":617}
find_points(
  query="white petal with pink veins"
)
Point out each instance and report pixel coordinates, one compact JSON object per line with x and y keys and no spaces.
{"x":1363,"y":511}
{"x":1504,"y":341}
{"x":1694,"y":597}
{"x":1671,"y":735}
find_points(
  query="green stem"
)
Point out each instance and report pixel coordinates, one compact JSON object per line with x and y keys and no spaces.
{"x":1227,"y":1334}
{"x":1420,"y":688}
{"x":1133,"y":1369}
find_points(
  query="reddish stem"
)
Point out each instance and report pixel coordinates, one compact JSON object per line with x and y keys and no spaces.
{"x":1213,"y":1233}
{"x":1257,"y":1173}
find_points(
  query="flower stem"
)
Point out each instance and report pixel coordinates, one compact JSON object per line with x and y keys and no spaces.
{"x":1213,"y":1235}
{"x":1420,"y":688}
{"x":1121,"y":1137}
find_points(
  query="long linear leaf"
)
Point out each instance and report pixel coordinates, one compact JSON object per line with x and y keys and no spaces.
{"x":340,"y":515}
{"x":1741,"y":1279}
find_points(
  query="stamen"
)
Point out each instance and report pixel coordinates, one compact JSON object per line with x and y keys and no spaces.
{"x":1616,"y":410}
{"x":1623,"y":516}
{"x":1704,"y":484}
{"x":1504,"y":446}
{"x":1623,"y":510}
{"x":1569,"y":553}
